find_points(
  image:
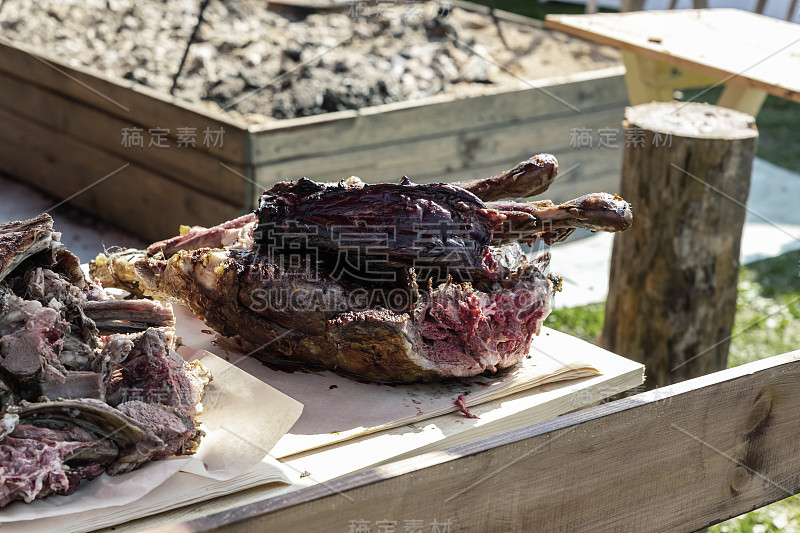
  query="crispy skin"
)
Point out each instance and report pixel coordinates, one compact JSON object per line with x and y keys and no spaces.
{"x":404,"y":222}
{"x":386,"y":226}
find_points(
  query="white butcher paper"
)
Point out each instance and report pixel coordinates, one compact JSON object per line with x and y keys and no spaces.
{"x":243,"y":419}
{"x":338,"y":408}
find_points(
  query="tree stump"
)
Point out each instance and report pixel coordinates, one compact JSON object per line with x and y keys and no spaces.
{"x":672,"y":292}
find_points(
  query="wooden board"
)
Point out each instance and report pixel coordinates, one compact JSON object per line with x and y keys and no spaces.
{"x":581,"y":171}
{"x":447,"y":136}
{"x":194,"y":167}
{"x":532,"y":104}
{"x":62,"y":166}
{"x":673,"y":459}
{"x":732,"y":45}
{"x":303,"y":8}
{"x":123,"y":99}
{"x":471,"y":150}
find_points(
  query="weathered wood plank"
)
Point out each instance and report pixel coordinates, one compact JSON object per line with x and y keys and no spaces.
{"x":647,"y":79}
{"x":472,"y":154}
{"x":729,"y":44}
{"x":305,"y":7}
{"x":571,"y":96}
{"x":195,"y":167}
{"x":673,"y":459}
{"x":124,"y":99}
{"x":744,"y":99}
{"x":62,"y":166}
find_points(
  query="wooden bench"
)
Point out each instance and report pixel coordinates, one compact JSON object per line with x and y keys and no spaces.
{"x":751,"y":54}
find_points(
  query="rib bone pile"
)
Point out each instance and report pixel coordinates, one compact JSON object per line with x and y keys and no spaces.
{"x":392,"y":281}
{"x":78,"y":397}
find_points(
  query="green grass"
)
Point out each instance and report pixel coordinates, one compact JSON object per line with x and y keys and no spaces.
{"x":583,"y":322}
{"x":767,"y":310}
{"x":780,"y":517}
{"x":777,"y":127}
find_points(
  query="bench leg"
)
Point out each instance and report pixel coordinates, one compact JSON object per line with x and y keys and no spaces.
{"x":647,"y":79}
{"x":742,"y":98}
{"x":651,"y":80}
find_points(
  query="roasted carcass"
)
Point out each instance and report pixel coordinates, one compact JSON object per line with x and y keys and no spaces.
{"x":395,"y":282}
{"x":77,"y":399}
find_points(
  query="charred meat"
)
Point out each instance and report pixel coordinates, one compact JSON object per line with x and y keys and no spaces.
{"x":77,"y":399}
{"x":393,"y":282}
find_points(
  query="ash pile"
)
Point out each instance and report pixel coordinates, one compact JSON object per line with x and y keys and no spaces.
{"x":246,"y":59}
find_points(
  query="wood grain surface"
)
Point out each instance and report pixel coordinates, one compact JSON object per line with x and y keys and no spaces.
{"x":673,"y":459}
{"x":735,"y":46}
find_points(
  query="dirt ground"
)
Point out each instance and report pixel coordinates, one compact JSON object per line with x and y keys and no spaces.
{"x":248,"y":60}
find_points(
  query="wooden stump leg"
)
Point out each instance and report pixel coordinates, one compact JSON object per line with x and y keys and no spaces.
{"x":650,"y":80}
{"x":647,"y":79}
{"x":672,"y":293}
{"x":741,"y":98}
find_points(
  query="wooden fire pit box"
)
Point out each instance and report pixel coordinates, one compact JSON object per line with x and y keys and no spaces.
{"x":64,"y":131}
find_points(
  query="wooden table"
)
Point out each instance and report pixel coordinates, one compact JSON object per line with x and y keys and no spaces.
{"x":673,"y":459}
{"x":751,"y":54}
{"x":335,"y":460}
